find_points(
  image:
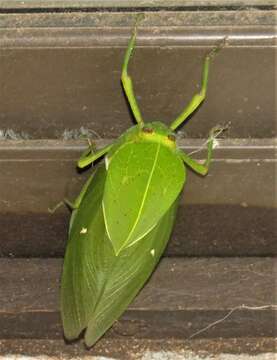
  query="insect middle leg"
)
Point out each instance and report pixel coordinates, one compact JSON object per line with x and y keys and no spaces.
{"x":89,"y":156}
{"x":71,"y":205}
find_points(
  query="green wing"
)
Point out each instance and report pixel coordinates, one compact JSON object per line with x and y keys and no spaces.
{"x":77,"y":279}
{"x":144,"y":179}
{"x":124,"y":275}
{"x":97,"y":285}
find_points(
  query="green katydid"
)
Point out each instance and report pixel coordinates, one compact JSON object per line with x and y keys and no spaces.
{"x":123,"y":217}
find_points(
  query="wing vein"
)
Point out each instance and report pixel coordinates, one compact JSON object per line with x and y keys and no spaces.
{"x":145,"y":193}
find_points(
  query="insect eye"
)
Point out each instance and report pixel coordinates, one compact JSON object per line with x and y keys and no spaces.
{"x":147,"y":130}
{"x":171,"y":137}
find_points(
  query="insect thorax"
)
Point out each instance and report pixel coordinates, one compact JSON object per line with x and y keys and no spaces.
{"x":153,"y":132}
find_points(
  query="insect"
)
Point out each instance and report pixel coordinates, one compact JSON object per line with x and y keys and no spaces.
{"x":123,"y":217}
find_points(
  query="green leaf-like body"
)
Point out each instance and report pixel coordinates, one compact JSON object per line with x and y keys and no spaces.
{"x":145,"y":176}
{"x":97,"y":284}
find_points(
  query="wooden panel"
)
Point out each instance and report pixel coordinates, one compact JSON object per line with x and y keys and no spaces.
{"x":182,"y":298}
{"x":152,"y":4}
{"x":170,"y":21}
{"x":231,"y":212}
{"x":126,"y":349}
{"x":47,"y":91}
{"x":63,"y":72}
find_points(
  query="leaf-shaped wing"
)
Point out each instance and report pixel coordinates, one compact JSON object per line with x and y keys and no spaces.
{"x":143,"y":180}
{"x":79,"y":284}
{"x":97,"y":285}
{"x":124,"y":275}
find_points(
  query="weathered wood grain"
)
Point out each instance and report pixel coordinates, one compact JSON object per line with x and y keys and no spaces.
{"x":231,"y":212}
{"x":62,"y":71}
{"x":183,"y":297}
{"x":130,"y":348}
{"x":121,"y":4}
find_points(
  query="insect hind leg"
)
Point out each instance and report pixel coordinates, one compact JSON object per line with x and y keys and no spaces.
{"x":126,"y":79}
{"x":200,"y":96}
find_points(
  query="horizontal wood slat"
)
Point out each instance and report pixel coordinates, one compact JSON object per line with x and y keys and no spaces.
{"x":126,"y":349}
{"x":135,"y":4}
{"x":63,"y":71}
{"x":231,"y":212}
{"x":182,"y":298}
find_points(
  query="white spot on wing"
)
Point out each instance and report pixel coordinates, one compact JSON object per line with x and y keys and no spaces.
{"x":83,"y":230}
{"x":152,"y":252}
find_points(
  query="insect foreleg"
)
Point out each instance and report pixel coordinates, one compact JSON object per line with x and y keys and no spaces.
{"x":89,"y":157}
{"x":199,"y":168}
{"x":127,"y":81}
{"x":203,"y":168}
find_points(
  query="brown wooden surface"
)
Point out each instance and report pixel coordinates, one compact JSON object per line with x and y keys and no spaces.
{"x":182,"y":297}
{"x":169,"y":21}
{"x":134,"y":349}
{"x":47,"y":91}
{"x":231,"y":212}
{"x":59,"y":72}
{"x":62,"y":71}
{"x":121,"y":4}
